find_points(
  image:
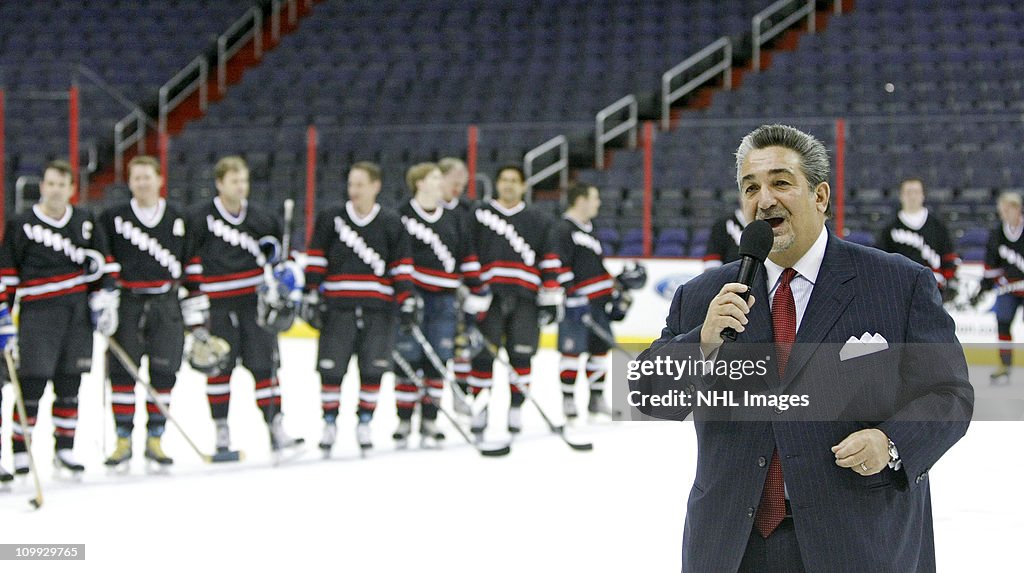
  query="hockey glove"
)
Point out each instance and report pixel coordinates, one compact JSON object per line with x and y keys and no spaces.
{"x":103,"y":304}
{"x":618,"y":306}
{"x":550,"y":306}
{"x":313,"y":309}
{"x":950,"y":290}
{"x":411,"y":311}
{"x":476,"y":305}
{"x":195,"y":311}
{"x":279,"y":297}
{"x":208,"y":354}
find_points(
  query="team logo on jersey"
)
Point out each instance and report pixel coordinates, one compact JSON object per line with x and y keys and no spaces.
{"x":916,"y":241}
{"x":427,"y":236}
{"x":505,"y":229}
{"x":234,"y":237}
{"x":59,"y":243}
{"x":1011,"y":256}
{"x":354,"y":241}
{"x":587,"y":241}
{"x":148,"y":244}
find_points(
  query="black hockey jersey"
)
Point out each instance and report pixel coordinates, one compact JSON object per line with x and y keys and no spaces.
{"x":582,"y":271}
{"x":514,"y":248}
{"x":724,"y":241}
{"x":43,"y":258}
{"x":929,"y":245}
{"x":151,"y":253}
{"x":365,"y":261}
{"x":443,"y":255}
{"x":1004,"y":256}
{"x":222,"y":250}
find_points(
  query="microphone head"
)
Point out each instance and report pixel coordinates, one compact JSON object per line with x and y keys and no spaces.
{"x":757,"y":240}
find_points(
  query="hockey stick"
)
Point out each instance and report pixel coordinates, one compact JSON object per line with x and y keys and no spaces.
{"x":514,"y":379}
{"x":435,"y":360}
{"x":19,"y":402}
{"x":133,"y":370}
{"x":490,"y":451}
{"x":604,"y":335}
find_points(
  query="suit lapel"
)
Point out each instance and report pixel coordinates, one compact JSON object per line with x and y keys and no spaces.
{"x":831,"y":295}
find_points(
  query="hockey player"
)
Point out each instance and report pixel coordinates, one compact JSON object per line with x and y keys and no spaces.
{"x":589,"y":289}
{"x":921,"y":237}
{"x":54,"y":258}
{"x":146,"y":236}
{"x":724,"y":241}
{"x":513,"y":244}
{"x":229,"y":244}
{"x":443,"y":257}
{"x":454,"y":199}
{"x":357,"y":276}
{"x":1004,"y":265}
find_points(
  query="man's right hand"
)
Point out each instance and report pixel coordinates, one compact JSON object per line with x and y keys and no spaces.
{"x":727,"y":309}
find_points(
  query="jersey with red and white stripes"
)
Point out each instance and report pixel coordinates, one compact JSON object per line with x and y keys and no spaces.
{"x":222,"y":248}
{"x":150,"y":249}
{"x":582,"y":272}
{"x":443,"y":255}
{"x":1004,"y":255}
{"x":359,"y":260}
{"x":43,"y":258}
{"x":514,"y":248}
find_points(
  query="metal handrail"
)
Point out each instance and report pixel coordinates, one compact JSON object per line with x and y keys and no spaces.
{"x":123,"y":143}
{"x":484,"y":181}
{"x":253,"y":18}
{"x":602,"y":137}
{"x":197,"y":66}
{"x":111,"y":91}
{"x":561,"y":166}
{"x":724,"y":67}
{"x":19,"y":190}
{"x":759,"y":38}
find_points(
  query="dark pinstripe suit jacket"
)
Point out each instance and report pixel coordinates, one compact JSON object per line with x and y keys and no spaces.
{"x":844,"y":521}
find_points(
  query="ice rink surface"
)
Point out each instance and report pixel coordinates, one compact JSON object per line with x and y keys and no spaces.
{"x":543,"y":508}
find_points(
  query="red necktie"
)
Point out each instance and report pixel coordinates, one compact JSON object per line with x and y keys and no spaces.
{"x":772,"y":509}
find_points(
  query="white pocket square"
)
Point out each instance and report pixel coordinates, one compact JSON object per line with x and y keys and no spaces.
{"x":866,"y":344}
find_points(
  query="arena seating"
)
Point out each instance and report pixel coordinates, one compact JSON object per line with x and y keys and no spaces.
{"x":133,"y":46}
{"x":950,"y":116}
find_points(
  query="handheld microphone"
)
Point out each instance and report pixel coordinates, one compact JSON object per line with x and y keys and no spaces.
{"x":755,"y":244}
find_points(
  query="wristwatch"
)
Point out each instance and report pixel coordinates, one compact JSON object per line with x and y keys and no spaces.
{"x":894,"y":457}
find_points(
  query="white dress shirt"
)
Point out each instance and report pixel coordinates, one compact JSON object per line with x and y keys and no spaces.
{"x":806,"y":275}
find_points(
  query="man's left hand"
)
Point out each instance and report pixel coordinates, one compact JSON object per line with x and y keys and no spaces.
{"x":869,"y":447}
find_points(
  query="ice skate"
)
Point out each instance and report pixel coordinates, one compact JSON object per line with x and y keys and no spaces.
{"x":401,"y":435}
{"x":1001,"y":376}
{"x":5,"y":476}
{"x":155,"y":453}
{"x":64,"y":460}
{"x":329,"y":436}
{"x":20,"y":463}
{"x":118,"y":460}
{"x":223,"y":436}
{"x":569,"y":408}
{"x":598,"y":408}
{"x":515,"y":420}
{"x":364,"y":434}
{"x":431,"y":437}
{"x":479,"y":424}
{"x":279,"y":439}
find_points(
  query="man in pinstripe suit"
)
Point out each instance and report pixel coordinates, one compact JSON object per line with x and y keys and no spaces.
{"x":787,"y":490}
